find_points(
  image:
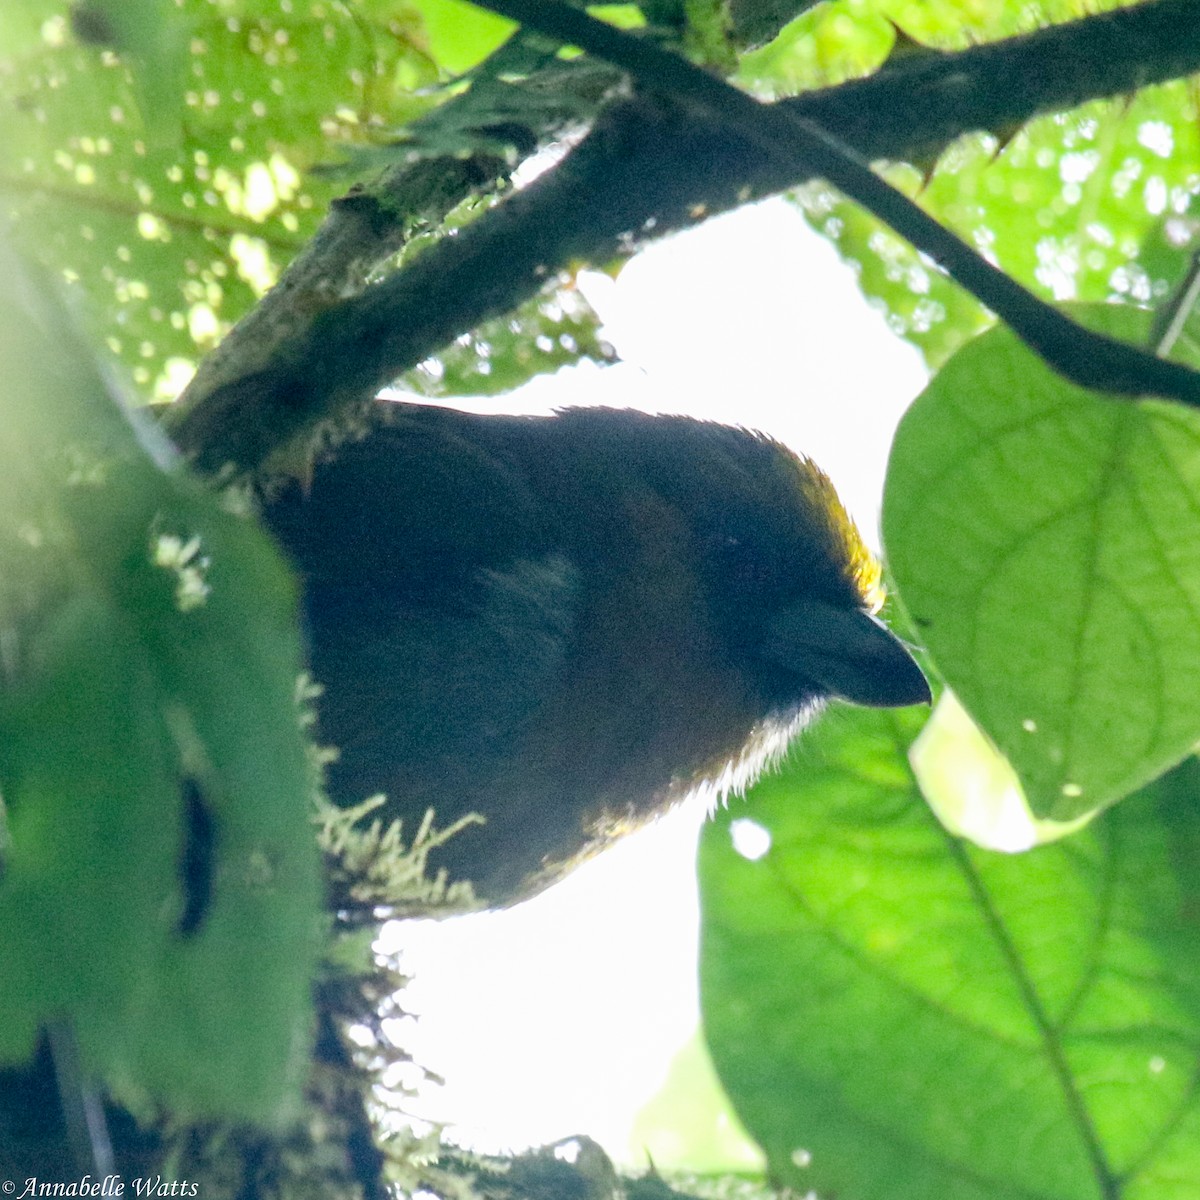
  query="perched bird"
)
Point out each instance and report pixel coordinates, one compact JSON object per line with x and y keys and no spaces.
{"x":565,"y":623}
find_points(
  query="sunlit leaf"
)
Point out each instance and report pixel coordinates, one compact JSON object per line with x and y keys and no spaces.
{"x":1046,"y":543}
{"x":688,"y":1124}
{"x":972,"y":787}
{"x":896,"y":1015}
{"x":171,"y":239}
{"x":461,"y":35}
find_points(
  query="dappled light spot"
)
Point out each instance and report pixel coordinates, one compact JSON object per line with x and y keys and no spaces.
{"x":750,"y":839}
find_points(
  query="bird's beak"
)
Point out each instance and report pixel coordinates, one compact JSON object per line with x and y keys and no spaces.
{"x":847,"y":653}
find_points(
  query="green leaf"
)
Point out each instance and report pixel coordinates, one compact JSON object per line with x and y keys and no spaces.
{"x":171,"y":239}
{"x":544,"y":334}
{"x":461,"y":35}
{"x":1064,"y":205}
{"x":1045,"y":541}
{"x":152,"y":38}
{"x":897,"y":1016}
{"x":522,"y":94}
{"x":972,"y":787}
{"x":688,"y":1125}
{"x":159,"y":887}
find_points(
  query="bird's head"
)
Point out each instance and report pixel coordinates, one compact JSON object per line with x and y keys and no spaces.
{"x":791,"y":589}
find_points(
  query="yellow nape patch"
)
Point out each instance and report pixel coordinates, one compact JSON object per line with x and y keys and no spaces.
{"x":840,"y":535}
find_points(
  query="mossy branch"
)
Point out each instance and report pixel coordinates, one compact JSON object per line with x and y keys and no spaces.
{"x":648,"y":163}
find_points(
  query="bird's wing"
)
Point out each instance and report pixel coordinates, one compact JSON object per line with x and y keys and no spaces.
{"x":437,"y":599}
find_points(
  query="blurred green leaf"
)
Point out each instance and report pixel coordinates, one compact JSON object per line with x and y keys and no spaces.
{"x":1045,"y":542}
{"x":159,"y":889}
{"x":544,"y":334}
{"x":897,"y":1016}
{"x":170,"y":239}
{"x":844,"y":39}
{"x":1065,"y":206}
{"x":152,"y":39}
{"x":520,"y":95}
{"x":688,"y":1125}
{"x":623,"y":16}
{"x":461,"y":35}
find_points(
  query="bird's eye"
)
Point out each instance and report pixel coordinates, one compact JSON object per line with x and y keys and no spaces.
{"x":738,"y":562}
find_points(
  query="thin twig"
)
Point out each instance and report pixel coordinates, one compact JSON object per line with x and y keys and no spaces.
{"x":83,"y":1109}
{"x":1171,"y":316}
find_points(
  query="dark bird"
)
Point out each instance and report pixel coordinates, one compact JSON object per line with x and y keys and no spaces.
{"x":565,"y":623}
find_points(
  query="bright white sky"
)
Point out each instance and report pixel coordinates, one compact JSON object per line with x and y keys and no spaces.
{"x":561,"y":1017}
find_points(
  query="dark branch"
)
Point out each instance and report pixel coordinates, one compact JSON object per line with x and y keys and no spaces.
{"x":653,"y":160}
{"x":1086,"y":358}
